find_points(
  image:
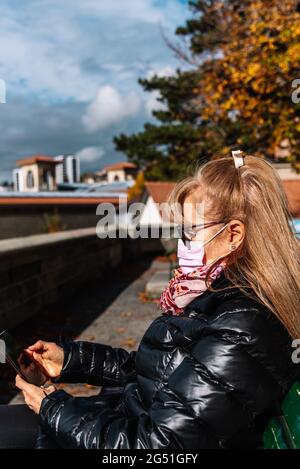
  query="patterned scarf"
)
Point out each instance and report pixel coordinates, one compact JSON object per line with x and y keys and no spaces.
{"x":183,"y":288}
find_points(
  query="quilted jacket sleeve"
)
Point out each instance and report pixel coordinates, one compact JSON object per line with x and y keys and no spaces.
{"x":96,"y":364}
{"x":216,"y":392}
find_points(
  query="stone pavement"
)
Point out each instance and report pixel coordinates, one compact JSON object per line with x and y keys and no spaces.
{"x":156,"y":284}
{"x":161,"y":276}
{"x":113,"y":311}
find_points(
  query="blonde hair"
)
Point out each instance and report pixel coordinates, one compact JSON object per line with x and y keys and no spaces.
{"x":268,"y":260}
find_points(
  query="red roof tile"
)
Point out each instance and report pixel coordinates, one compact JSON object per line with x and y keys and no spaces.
{"x":120,"y":165}
{"x":36,"y":159}
{"x":159,"y":190}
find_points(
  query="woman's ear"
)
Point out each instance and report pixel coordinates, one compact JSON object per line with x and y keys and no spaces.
{"x":236,"y":235}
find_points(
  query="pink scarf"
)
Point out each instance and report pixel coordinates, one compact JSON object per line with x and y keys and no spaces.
{"x":183,"y":288}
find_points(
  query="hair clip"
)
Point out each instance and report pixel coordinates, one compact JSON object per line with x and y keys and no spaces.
{"x":238,"y":158}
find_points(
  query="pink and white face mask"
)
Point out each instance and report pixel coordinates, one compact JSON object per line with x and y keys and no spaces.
{"x":191,"y":255}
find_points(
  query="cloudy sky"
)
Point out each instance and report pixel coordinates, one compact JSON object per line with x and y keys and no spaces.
{"x":71,"y":70}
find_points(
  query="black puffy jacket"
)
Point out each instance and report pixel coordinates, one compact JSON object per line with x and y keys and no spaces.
{"x":209,"y":378}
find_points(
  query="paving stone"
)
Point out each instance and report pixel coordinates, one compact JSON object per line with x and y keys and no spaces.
{"x":157,"y":283}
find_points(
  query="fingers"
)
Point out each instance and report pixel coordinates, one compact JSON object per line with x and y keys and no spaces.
{"x":37,"y":357}
{"x":33,"y":395}
{"x":50,"y":389}
{"x":22,"y":384}
{"x":39,"y":346}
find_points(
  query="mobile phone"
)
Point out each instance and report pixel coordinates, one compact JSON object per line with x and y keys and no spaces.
{"x":14,"y":360}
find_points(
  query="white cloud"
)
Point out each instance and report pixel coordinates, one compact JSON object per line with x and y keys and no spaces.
{"x":151,"y":101}
{"x":166,"y":71}
{"x":110,"y":107}
{"x":66,"y":50}
{"x":137,"y":9}
{"x":55,"y":55}
{"x":168,"y":12}
{"x":90,"y":154}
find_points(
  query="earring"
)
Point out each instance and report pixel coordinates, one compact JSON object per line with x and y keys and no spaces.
{"x":232,"y":247}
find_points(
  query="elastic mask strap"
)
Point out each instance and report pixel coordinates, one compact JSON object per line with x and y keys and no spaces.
{"x":223,"y":227}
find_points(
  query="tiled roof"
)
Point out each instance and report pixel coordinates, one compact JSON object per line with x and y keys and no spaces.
{"x":36,"y":159}
{"x":120,"y":165}
{"x":159,"y":190}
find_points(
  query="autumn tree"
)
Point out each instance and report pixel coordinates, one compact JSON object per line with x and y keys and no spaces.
{"x":137,"y":189}
{"x":244,"y":56}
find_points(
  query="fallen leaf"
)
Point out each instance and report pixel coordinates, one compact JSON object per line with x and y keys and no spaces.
{"x":129,"y":342}
{"x":146,"y":299}
{"x":126,"y":314}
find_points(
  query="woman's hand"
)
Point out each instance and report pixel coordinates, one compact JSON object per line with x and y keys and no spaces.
{"x":33,"y":395}
{"x":34,"y":373}
{"x":48,"y":355}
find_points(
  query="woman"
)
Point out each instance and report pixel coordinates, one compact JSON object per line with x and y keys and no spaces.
{"x":212,"y":369}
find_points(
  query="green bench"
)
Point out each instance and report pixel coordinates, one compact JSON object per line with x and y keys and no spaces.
{"x":283,"y":432}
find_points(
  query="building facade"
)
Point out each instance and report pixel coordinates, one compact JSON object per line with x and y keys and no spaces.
{"x":67,"y":169}
{"x":118,"y":172}
{"x":43,"y":173}
{"x":34,"y":174}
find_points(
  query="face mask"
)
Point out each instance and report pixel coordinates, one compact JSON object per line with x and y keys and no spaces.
{"x":192,"y":255}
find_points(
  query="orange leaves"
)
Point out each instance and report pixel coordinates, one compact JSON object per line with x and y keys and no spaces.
{"x":293,"y":52}
{"x":130,"y":343}
{"x":253,"y":69}
{"x":253,"y":72}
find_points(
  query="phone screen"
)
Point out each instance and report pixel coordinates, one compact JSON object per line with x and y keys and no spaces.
{"x":14,"y":360}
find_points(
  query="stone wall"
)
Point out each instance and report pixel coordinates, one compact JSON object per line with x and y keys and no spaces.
{"x":36,"y":271}
{"x":27,"y":220}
